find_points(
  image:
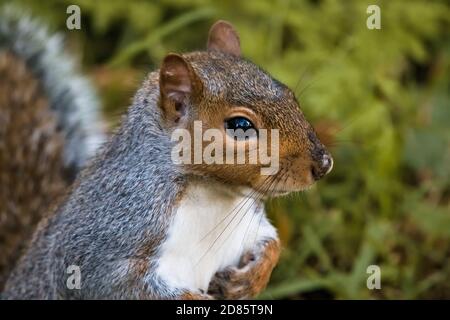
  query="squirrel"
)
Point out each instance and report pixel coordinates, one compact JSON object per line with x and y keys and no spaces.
{"x":139,"y":226}
{"x":49,"y":128}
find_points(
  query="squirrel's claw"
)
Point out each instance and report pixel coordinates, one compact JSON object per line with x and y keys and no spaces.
{"x":250,"y":277}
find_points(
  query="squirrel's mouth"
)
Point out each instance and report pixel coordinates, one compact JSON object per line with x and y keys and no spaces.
{"x":283,"y":192}
{"x":271,"y":193}
{"x":280,"y":185}
{"x":277,"y":193}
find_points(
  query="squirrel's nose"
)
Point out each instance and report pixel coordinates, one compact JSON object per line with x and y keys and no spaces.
{"x":322,"y":167}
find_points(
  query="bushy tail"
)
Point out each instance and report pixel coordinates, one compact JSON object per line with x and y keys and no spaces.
{"x":49,"y":128}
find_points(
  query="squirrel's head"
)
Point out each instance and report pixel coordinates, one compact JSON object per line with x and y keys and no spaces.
{"x":219,"y":90}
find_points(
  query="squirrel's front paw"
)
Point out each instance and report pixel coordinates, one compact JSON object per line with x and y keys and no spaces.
{"x":250,"y":277}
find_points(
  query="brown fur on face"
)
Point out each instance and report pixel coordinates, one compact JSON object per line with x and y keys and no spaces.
{"x":31,"y":164}
{"x":231,"y":86}
{"x":219,"y":84}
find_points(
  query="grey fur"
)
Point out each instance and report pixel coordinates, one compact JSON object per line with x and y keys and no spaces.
{"x":119,"y":203}
{"x":71,"y":96}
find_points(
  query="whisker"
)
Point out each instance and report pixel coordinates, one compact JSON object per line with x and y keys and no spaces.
{"x":286,"y":176}
{"x":261,"y":214}
{"x":348,"y":123}
{"x":274,"y":183}
{"x":238,"y":206}
{"x":235,"y":215}
{"x":302,"y":76}
{"x":309,"y":85}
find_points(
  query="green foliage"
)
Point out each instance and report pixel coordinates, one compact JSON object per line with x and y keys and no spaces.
{"x":383,"y":95}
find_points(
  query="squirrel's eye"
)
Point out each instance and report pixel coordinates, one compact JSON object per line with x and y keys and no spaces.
{"x":240,"y":123}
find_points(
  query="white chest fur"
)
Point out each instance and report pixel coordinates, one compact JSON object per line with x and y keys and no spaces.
{"x":210,"y":231}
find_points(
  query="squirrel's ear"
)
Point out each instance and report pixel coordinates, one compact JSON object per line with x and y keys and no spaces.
{"x":223,"y":37}
{"x":178,"y":84}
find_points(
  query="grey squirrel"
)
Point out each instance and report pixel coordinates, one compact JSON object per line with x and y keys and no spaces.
{"x":139,"y":226}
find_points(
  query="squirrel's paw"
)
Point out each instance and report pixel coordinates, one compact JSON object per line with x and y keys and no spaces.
{"x":250,"y":277}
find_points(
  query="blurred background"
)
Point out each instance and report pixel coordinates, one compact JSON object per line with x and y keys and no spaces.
{"x":380,"y":100}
